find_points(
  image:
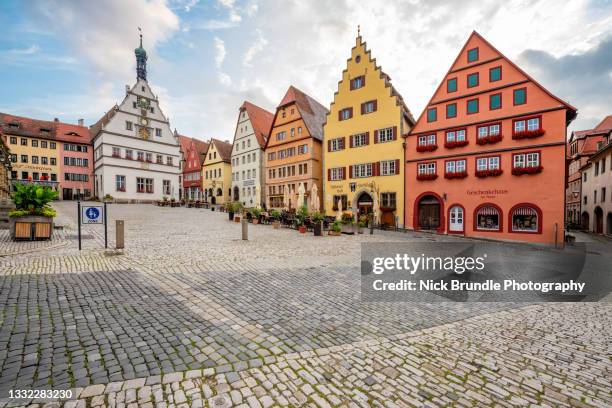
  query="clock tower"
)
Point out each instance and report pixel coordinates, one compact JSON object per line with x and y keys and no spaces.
{"x":141,"y":61}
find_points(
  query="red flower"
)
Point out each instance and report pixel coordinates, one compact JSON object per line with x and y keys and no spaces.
{"x":489,"y":173}
{"x":456,"y":143}
{"x":518,"y":171}
{"x":457,"y":174}
{"x":528,"y":134}
{"x":489,"y":139}
{"x":426,"y":148}
{"x":427,"y":176}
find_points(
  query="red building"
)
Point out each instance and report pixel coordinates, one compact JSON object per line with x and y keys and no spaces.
{"x":192,"y":157}
{"x":76,"y":160}
{"x":486,"y":157}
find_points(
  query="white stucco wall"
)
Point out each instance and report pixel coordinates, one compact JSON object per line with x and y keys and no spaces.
{"x":247,"y":157}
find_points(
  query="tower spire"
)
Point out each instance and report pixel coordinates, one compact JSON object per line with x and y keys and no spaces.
{"x":141,"y":60}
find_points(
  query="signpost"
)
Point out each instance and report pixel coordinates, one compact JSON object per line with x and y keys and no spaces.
{"x":92,"y":214}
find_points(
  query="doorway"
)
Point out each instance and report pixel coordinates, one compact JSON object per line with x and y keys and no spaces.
{"x":609,"y":224}
{"x":584,"y":221}
{"x":365,"y":204}
{"x":236,"y":193}
{"x":429,"y":213}
{"x":456,"y":219}
{"x":598,"y":220}
{"x":67,"y":194}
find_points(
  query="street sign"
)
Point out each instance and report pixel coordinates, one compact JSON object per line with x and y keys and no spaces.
{"x":92,"y":214}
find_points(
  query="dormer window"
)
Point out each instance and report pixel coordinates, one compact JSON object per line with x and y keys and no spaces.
{"x":14,"y":125}
{"x":44,"y":131}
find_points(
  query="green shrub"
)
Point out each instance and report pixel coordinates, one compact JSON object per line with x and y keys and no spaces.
{"x":255,"y":212}
{"x":30,"y":199}
{"x":317,"y":216}
{"x":275,"y":214}
{"x":336,"y":226}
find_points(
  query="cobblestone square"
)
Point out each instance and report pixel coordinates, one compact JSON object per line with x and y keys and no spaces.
{"x":190,"y":315}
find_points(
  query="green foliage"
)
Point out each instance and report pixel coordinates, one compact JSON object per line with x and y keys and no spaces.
{"x":317,"y":216}
{"x":108,"y":197}
{"x":164,"y":198}
{"x":275,"y":214}
{"x":347,"y":218}
{"x":255,"y":212}
{"x":336,"y":226}
{"x":32,"y":198}
{"x":300,"y":215}
{"x":229,"y":207}
{"x":363,"y":221}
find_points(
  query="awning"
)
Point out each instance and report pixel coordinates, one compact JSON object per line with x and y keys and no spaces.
{"x":488,"y":211}
{"x":525,"y":211}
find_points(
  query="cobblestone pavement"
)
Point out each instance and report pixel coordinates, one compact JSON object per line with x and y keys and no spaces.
{"x":190,"y":315}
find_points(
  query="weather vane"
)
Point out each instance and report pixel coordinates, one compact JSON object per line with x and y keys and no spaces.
{"x":358,"y":30}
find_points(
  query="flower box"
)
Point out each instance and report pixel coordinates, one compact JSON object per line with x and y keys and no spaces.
{"x":518,"y":171}
{"x":489,"y":139}
{"x":427,"y":176}
{"x":489,"y":173}
{"x":121,"y":189}
{"x":456,"y":143}
{"x":140,"y":190}
{"x":456,"y":175}
{"x":426,"y":148}
{"x":31,"y":227}
{"x":528,"y":134}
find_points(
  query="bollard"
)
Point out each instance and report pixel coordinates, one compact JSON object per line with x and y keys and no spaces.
{"x":119,"y":232}
{"x":371,"y":227}
{"x":245,"y":229}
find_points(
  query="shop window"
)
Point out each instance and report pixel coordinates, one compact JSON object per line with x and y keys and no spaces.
{"x":525,"y":218}
{"x":488,"y":218}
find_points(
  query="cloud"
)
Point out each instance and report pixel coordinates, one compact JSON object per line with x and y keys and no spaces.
{"x":219,"y":52}
{"x":583,"y":79}
{"x":255,"y":48}
{"x":104,"y":32}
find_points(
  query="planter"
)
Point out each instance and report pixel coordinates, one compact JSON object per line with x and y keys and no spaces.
{"x":230,"y":214}
{"x":360,"y":230}
{"x":335,"y":233}
{"x":212,"y":208}
{"x":302,"y":229}
{"x":276,"y":224}
{"x":236,"y":218}
{"x":31,"y":228}
{"x":425,"y":177}
{"x":348,"y":229}
{"x":255,"y":221}
{"x":426,"y":148}
{"x":318,"y":229}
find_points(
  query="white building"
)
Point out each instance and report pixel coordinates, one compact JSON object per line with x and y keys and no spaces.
{"x":136,"y":155}
{"x":250,"y":138}
{"x":597,"y":190}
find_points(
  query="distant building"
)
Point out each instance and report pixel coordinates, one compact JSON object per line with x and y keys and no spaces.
{"x":136,"y":154}
{"x":217,"y":172}
{"x":293,"y":150}
{"x":76,"y":160}
{"x":250,"y":138}
{"x":580,"y":147}
{"x":192,"y":158}
{"x":5,"y":170}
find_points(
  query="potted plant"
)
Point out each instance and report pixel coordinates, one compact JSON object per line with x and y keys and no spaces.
{"x":348,"y":223}
{"x":275,"y":215}
{"x":300,"y":217}
{"x":173,"y":202}
{"x":363,"y":223}
{"x":317,"y":219}
{"x":229,"y":207}
{"x":33,"y":217}
{"x":336,"y":229}
{"x":164,"y":201}
{"x":237,"y":211}
{"x":108,"y":198}
{"x":255,"y":214}
{"x":190,"y":203}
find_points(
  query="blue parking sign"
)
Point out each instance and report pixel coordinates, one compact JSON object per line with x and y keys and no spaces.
{"x":92,"y":214}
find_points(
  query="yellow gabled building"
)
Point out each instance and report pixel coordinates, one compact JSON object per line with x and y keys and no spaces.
{"x":363,"y":144}
{"x":217,"y":173}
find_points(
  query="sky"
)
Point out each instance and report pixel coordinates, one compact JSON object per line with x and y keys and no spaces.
{"x":71,"y":59}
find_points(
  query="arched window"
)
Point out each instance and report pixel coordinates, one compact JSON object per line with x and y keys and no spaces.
{"x":525,"y":218}
{"x":488,"y":218}
{"x":219,"y":192}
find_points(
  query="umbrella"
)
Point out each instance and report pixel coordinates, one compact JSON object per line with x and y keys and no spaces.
{"x":314,"y":198}
{"x":339,"y":214}
{"x":301,"y":191}
{"x":286,"y":201}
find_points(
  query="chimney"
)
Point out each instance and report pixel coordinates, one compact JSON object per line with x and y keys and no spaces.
{"x":81,"y":122}
{"x":56,"y":120}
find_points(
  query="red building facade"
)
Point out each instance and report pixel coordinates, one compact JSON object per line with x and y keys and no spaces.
{"x":486,"y":157}
{"x":76,"y":160}
{"x":192,"y":152}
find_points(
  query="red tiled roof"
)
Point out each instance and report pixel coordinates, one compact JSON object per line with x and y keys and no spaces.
{"x":68,"y":132}
{"x":313,"y":113}
{"x":224,"y":148}
{"x":605,"y":124}
{"x":22,"y":126}
{"x":261,"y":120}
{"x":97,"y":127}
{"x":185,"y":143}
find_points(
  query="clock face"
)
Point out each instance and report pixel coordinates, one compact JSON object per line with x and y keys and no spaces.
{"x":143,"y":103}
{"x":144,"y":121}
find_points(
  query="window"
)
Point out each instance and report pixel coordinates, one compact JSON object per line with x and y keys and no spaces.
{"x":80,"y":162}
{"x":299,"y":130}
{"x":385,"y":135}
{"x":426,"y":168}
{"x":451,"y":110}
{"x":169,"y":161}
{"x":359,"y":140}
{"x":525,"y":219}
{"x":472,"y":106}
{"x":526,"y":160}
{"x":472,"y":80}
{"x":389,"y":167}
{"x":152,"y":109}
{"x":149,"y":157}
{"x":520,"y":96}
{"x":119,"y":183}
{"x":451,"y":85}
{"x":495,"y":74}
{"x":14,"y":158}
{"x":432,"y":115}
{"x":362,"y":170}
{"x":167,"y":187}
{"x":128,"y":154}
{"x":13,"y":140}
{"x":530,"y":125}
{"x":128,"y":125}
{"x":345,"y":114}
{"x":159,"y":159}
{"x":116,"y":152}
{"x":455,"y":136}
{"x":35,"y":160}
{"x":52,"y":145}
{"x":302,"y":149}
{"x":487,"y":218}
{"x":34,"y":143}
{"x":24,"y":141}
{"x":472,"y":55}
{"x":388,"y":200}
{"x":487,"y":163}
{"x":342,"y":199}
{"x":603,"y":194}
{"x":455,"y":166}
{"x":43,"y":144}
{"x":428,"y":140}
{"x":368,"y":107}
{"x":24,"y":158}
{"x":140,"y":184}
{"x":281,"y":136}
{"x":24,"y":175}
{"x":336,"y":174}
{"x":495,"y":101}
{"x":358,"y":82}
{"x":140,"y":156}
{"x":158,"y":132}
{"x":336,"y":144}
{"x":53,"y":161}
{"x":149,"y":185}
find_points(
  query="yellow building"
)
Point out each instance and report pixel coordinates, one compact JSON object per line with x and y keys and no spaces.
{"x":34,"y":150}
{"x":217,"y":173}
{"x":363,"y":147}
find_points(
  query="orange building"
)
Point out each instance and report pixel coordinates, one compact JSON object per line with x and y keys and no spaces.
{"x":293,"y":150}
{"x":486,"y":157}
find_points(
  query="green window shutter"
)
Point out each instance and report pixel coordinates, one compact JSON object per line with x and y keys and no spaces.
{"x":495,"y":74}
{"x":473,"y":55}
{"x":495,"y":101}
{"x":472,"y":80}
{"x":432,"y":114}
{"x":451,"y":85}
{"x":472,"y":106}
{"x":520,"y":96}
{"x":451,"y":110}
